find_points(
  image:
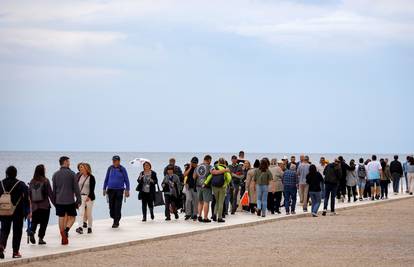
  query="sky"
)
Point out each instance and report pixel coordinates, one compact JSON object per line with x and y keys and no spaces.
{"x":207,"y":76}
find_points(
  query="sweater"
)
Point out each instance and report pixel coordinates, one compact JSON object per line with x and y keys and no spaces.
{"x":45,"y":203}
{"x":262,"y":177}
{"x":116,"y":178}
{"x":65,"y":187}
{"x":314,"y":182}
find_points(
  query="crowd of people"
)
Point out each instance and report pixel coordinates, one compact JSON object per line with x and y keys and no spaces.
{"x":266,"y":186}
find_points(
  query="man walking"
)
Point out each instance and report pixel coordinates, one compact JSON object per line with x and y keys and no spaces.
{"x":191,"y":202}
{"x":397,"y":172}
{"x":236,"y":170}
{"x":116,"y":186}
{"x":205,"y":193}
{"x":302,"y":171}
{"x":333,"y":174}
{"x":290,"y":188}
{"x":374,"y":172}
{"x":66,"y":187}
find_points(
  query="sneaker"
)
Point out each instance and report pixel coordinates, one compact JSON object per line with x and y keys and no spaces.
{"x":293,"y":212}
{"x":168,"y":219}
{"x":85,"y":225}
{"x":115,"y":225}
{"x":361,"y":199}
{"x":324,"y":213}
{"x":221,"y":221}
{"x":32,"y":239}
{"x":206,"y":221}
{"x":288,"y":213}
{"x":314,"y":215}
{"x":41,"y":242}
{"x":259,"y":212}
{"x":187,"y":217}
{"x":176,"y":216}
{"x":79,"y":230}
{"x":200,"y":219}
{"x":89,"y":230}
{"x":17,"y":255}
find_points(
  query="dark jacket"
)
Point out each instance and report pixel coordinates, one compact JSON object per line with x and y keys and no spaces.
{"x":177,"y":171}
{"x":65,"y":187}
{"x":314,"y":182}
{"x":21,"y":192}
{"x":396,"y":167}
{"x":92,"y":184}
{"x":153,"y":183}
{"x":48,"y":193}
{"x":332,"y":174}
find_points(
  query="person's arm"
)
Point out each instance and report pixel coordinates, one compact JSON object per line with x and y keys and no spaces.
{"x":54,"y":188}
{"x":214,"y":171}
{"x":177,"y":181}
{"x":105,"y":185}
{"x":227,"y":177}
{"x":179,"y":172}
{"x":92,"y":184}
{"x":126,"y":182}
{"x":76,"y":189}
{"x":187,"y":171}
{"x":50,"y":193}
{"x":208,"y":179}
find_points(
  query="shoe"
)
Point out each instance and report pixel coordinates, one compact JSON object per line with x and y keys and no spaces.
{"x":17,"y":255}
{"x":259,"y":212}
{"x":214,"y":218}
{"x":89,"y":230}
{"x":85,"y":225}
{"x":221,"y":221}
{"x":32,"y":239}
{"x":377,"y":197}
{"x":288,"y":213}
{"x":372,"y":198}
{"x":305,"y":210}
{"x":411,"y":193}
{"x":361,"y":199}
{"x":144,"y":219}
{"x":41,"y":242}
{"x":293,"y":212}
{"x":64,"y":240}
{"x":168,"y":219}
{"x":206,"y":221}
{"x":349,"y":201}
{"x":195,"y":218}
{"x":115,"y":225}
{"x":272,"y":212}
{"x":187,"y":217}
{"x":355,"y":199}
{"x":314,"y":215}
{"x":176,"y":216}
{"x":200,"y":219}
{"x":79,"y":230}
{"x":278,"y":212}
{"x":232,"y":213}
{"x":263,"y":216}
{"x":334,"y":213}
{"x":1,"y":255}
{"x":152,"y":217}
{"x":324,"y":213}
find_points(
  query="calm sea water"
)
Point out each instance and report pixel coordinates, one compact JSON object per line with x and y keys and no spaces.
{"x":25,"y":162}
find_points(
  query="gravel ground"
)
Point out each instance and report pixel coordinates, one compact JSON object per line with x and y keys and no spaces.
{"x":365,"y":236}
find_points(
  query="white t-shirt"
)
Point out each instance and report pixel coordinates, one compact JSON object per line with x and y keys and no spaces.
{"x":373,"y":170}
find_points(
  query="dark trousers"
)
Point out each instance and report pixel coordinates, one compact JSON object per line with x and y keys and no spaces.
{"x":273,"y":201}
{"x":115,"y":197}
{"x":290,"y":198}
{"x":170,"y":205}
{"x":351,"y":192}
{"x":384,"y":188}
{"x":40,"y":217}
{"x":330,"y":191}
{"x":147,"y":203}
{"x":367,"y":190}
{"x":234,"y":204}
{"x":396,"y":182}
{"x":6,"y":223}
{"x":341,"y":189}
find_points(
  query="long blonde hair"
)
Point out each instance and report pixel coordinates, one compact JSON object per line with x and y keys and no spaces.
{"x":87,"y":167}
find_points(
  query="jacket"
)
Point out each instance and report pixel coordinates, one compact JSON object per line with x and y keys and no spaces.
{"x":386,"y":174}
{"x":333,"y":173}
{"x":166,"y":188}
{"x":19,"y":194}
{"x":227,"y":176}
{"x":153,"y":183}
{"x":65,"y":187}
{"x":396,"y":167}
{"x":92,"y":184}
{"x":262,"y":177}
{"x":314,"y":182}
{"x":276,"y":184}
{"x":351,"y":178}
{"x":116,"y":178}
{"x":251,"y":186}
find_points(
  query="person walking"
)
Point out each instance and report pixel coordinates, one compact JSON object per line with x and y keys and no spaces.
{"x":290,"y":189}
{"x":251,"y":186}
{"x":397,"y":172}
{"x":385,"y":179}
{"x":314,"y":180}
{"x":219,"y":179}
{"x":205,"y":194}
{"x":275,"y":187}
{"x":351,"y":181}
{"x":374,"y":170}
{"x":170,"y":186}
{"x":13,"y":210}
{"x":40,"y":196}
{"x":262,"y":177}
{"x":410,"y":174}
{"x":65,"y":187}
{"x":86,"y":184}
{"x":191,"y":203}
{"x":236,"y":170}
{"x":147,"y":181}
{"x":362,"y":178}
{"x":405,"y":167}
{"x":321,"y":167}
{"x":302,"y":171}
{"x":333,"y":174}
{"x":116,"y":186}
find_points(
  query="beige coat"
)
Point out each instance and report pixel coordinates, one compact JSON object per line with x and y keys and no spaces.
{"x":276,"y":184}
{"x":251,"y":186}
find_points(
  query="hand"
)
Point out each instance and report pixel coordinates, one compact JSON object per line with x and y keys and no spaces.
{"x":104,"y":192}
{"x":126,"y":193}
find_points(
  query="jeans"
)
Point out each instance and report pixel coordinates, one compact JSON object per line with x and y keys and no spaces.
{"x":395,"y":181}
{"x":322,"y":190}
{"x":410,"y":177}
{"x":384,"y":188}
{"x":290,"y":198}
{"x":115,"y":197}
{"x":219,"y":195}
{"x":262,"y":190}
{"x":6,"y":223}
{"x":227,"y":200}
{"x":330,"y":191}
{"x":316,"y":201}
{"x":40,"y":217}
{"x":191,"y":202}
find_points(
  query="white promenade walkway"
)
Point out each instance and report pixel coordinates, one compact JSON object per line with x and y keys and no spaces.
{"x":133,"y":231}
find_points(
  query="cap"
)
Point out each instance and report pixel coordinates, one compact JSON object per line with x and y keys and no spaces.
{"x":194,"y":160}
{"x":285,"y":157}
{"x":116,"y":157}
{"x":234,"y":157}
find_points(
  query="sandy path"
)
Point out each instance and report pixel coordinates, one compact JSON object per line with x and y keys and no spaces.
{"x":380,"y":235}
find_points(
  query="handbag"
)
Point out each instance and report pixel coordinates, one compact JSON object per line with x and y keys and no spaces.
{"x":158,"y":198}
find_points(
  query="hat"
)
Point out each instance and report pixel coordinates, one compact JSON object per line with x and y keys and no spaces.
{"x":116,"y":157}
{"x":194,"y":160}
{"x":234,"y":157}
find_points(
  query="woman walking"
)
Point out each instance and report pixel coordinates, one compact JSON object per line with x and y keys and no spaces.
{"x":40,"y":196}
{"x":314,"y":180}
{"x":410,"y":175}
{"x":87,"y":184}
{"x":170,"y":186}
{"x":352,"y":181}
{"x":146,"y":188}
{"x":262,"y":177}
{"x":385,"y":179}
{"x":251,"y":186}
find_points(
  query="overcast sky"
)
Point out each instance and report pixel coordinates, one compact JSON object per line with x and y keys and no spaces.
{"x":219,"y":76}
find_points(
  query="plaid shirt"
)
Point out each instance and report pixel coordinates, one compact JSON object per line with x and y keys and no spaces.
{"x":290,"y":179}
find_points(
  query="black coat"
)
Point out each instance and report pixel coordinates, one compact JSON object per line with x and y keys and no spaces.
{"x":140,"y":181}
{"x":396,"y":167}
{"x":21,"y":191}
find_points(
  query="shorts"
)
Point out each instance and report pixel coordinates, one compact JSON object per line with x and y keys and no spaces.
{"x":374,"y":182}
{"x":62,"y":210}
{"x":362,"y":183}
{"x":205,"y":194}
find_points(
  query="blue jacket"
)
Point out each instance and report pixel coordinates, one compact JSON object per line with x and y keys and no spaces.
{"x":116,"y":178}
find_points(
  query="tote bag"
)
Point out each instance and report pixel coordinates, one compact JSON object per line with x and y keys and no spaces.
{"x":158,"y":199}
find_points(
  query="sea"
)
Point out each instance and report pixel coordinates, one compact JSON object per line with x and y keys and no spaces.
{"x":25,"y":162}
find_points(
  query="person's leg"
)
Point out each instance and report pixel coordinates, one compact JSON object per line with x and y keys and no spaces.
{"x":278,"y":199}
{"x":213,"y":204}
{"x":6,"y":223}
{"x":195,"y":203}
{"x":287,"y":200}
{"x":328,"y":189}
{"x":318,"y":202}
{"x":293,"y":201}
{"x":313,"y":200}
{"x":334,"y":189}
{"x":82,"y":211}
{"x":301,"y":187}
{"x":259,"y":197}
{"x":264,"y":202}
{"x":188,"y":200}
{"x":118,"y":205}
{"x":62,"y":223}
{"x":70,"y":221}
{"x":17,"y":232}
{"x":348,"y":189}
{"x":406,"y":183}
{"x":270,"y":202}
{"x":167,"y":205}
{"x":305,"y":197}
{"x":227,"y":200}
{"x":111,"y":200}
{"x":221,"y":192}
{"x":411,"y":182}
{"x":36,"y":220}
{"x":45,"y":215}
{"x":89,"y":213}
{"x":144,"y":205}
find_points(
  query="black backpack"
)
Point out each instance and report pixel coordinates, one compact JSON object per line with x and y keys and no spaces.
{"x":38,"y":191}
{"x":362,"y":172}
{"x":217,"y":180}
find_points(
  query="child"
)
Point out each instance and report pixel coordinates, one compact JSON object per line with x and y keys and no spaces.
{"x":170,"y":186}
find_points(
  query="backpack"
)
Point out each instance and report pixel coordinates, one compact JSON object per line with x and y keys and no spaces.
{"x":362,"y":172}
{"x":6,"y":205}
{"x":202,"y":171}
{"x":217,"y":180}
{"x":37,"y":192}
